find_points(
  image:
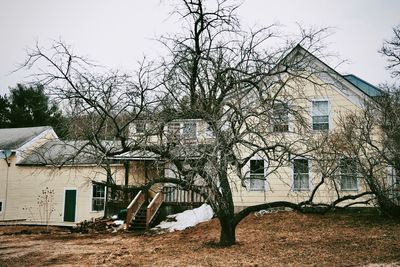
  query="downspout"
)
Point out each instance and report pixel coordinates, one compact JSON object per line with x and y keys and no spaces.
{"x":126,"y":192}
{"x":6,"y":201}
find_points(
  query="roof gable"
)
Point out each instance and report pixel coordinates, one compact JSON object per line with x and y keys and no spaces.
{"x":330,"y":76}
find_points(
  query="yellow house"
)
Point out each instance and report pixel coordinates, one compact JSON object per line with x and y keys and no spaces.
{"x":323,"y":100}
{"x":35,"y":188}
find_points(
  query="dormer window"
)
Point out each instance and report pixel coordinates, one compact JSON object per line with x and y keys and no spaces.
{"x":174,"y":130}
{"x":209,"y":131}
{"x":189,"y":130}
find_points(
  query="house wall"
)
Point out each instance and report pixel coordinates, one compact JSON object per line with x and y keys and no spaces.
{"x":278,"y":185}
{"x":140,"y":172}
{"x":26,"y":184}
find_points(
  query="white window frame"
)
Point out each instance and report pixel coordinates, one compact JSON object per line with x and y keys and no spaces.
{"x":264,"y":187}
{"x":185,"y":136}
{"x":92,"y":197}
{"x":285,"y":105}
{"x":179,"y":134}
{"x":144,"y":127}
{"x":342,"y":174}
{"x":176,"y":133}
{"x":329,"y":114}
{"x":309,"y":175}
{"x":209,"y":132}
{"x":393,"y":178}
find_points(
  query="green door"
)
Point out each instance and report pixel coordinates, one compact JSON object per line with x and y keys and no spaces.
{"x":69,"y":205}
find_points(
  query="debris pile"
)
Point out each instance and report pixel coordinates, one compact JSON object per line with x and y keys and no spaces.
{"x":272,"y":210}
{"x":98,"y":225}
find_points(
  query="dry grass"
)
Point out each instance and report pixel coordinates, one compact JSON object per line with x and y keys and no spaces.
{"x":281,"y":239}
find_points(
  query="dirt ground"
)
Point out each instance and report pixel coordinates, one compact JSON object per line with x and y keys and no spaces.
{"x":278,"y":239}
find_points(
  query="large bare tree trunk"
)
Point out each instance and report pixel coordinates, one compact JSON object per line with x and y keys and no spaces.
{"x":228,"y":231}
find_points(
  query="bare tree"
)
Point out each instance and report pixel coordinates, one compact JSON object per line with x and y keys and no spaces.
{"x":364,"y":138}
{"x":234,"y":81}
{"x":391,"y":50}
{"x":372,"y":137}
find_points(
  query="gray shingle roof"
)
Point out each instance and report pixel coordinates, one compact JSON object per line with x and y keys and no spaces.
{"x":14,"y":138}
{"x":58,"y":152}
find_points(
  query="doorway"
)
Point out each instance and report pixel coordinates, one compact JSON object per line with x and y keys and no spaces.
{"x":69,"y":205}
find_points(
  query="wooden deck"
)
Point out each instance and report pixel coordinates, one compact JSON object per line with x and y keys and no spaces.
{"x":176,"y":196}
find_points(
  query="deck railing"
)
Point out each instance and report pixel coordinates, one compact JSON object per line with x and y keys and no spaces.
{"x":153,"y":207}
{"x":134,"y":207}
{"x":173,"y":194}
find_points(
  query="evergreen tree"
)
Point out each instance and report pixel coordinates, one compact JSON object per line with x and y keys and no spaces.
{"x":4,"y":112}
{"x":28,"y":106}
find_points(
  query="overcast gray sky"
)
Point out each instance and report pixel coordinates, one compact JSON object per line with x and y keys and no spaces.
{"x":118,"y":33}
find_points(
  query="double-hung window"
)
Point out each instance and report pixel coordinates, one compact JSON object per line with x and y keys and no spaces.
{"x":98,"y":197}
{"x":140,"y":127}
{"x":189,"y":130}
{"x":280,"y":118}
{"x":209,"y":131}
{"x":320,"y":115}
{"x":348,"y":174}
{"x":257,"y":175}
{"x":174,"y":130}
{"x":394,"y":179}
{"x":301,"y":176}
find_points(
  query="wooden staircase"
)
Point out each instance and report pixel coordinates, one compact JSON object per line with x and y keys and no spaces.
{"x":138,"y":223}
{"x":140,"y":215}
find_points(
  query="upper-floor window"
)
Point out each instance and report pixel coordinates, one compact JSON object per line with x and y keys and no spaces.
{"x":209,"y":132}
{"x":1,"y":206}
{"x":174,"y":130}
{"x":348,"y":174}
{"x":320,"y":115}
{"x":257,"y":174}
{"x":301,"y":176}
{"x":189,"y":130}
{"x":98,"y":197}
{"x":140,"y":127}
{"x":280,"y":118}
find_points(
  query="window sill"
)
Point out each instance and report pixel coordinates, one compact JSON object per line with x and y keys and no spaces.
{"x":257,"y":190}
{"x":301,"y":190}
{"x":349,"y":190}
{"x":96,"y":211}
{"x":321,"y":131}
{"x":276,"y":132}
